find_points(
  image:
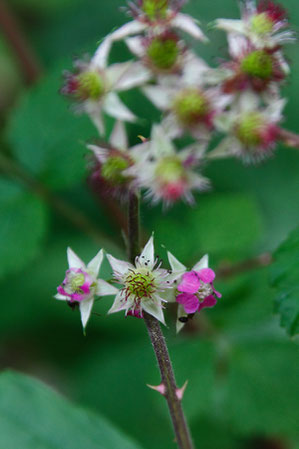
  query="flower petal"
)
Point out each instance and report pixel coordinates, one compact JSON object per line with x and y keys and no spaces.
{"x":95,"y":264}
{"x":189,"y":302}
{"x":190,"y":283}
{"x":203,"y":263}
{"x":115,"y":108}
{"x":105,"y":289}
{"x":210,"y":301}
{"x":147,"y":257}
{"x":188,"y":24}
{"x":73,"y":260}
{"x":135,"y":75}
{"x":133,"y":27}
{"x":61,"y":297}
{"x":153,"y":307}
{"x":120,"y":267}
{"x":206,"y":275}
{"x":175,"y":264}
{"x":119,"y":304}
{"x":135,"y":45}
{"x":158,"y":95}
{"x":231,"y":25}
{"x":118,"y":138}
{"x":100,"y":57}
{"x":85,"y":310}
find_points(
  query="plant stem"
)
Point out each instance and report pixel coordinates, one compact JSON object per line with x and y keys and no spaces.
{"x":180,"y":426}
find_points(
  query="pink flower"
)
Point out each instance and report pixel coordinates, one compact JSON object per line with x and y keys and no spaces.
{"x":197,"y":290}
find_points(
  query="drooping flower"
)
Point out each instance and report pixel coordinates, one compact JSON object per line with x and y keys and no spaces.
{"x":157,"y":16}
{"x":253,"y":132}
{"x":81,"y":284}
{"x":142,"y":284}
{"x":93,"y":86}
{"x":111,"y":162}
{"x":189,"y":105}
{"x":194,"y":290}
{"x":261,"y":24}
{"x":168,"y":175}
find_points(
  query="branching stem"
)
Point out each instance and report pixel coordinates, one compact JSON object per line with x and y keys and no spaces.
{"x":180,"y":426}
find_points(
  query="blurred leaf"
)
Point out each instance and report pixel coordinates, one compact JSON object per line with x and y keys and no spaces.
{"x":285,"y":278}
{"x":46,"y":137}
{"x":224,"y":225}
{"x":22,"y":226}
{"x":35,"y":417}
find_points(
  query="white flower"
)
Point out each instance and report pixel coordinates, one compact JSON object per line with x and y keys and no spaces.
{"x":186,"y":100}
{"x":252,"y":131}
{"x":261,"y":24}
{"x":168,"y":175}
{"x":142,"y":284}
{"x":81,"y":284}
{"x":95,"y":86}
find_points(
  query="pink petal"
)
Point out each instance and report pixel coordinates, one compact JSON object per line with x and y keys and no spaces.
{"x":189,"y":302}
{"x":206,"y":275}
{"x":209,"y":301}
{"x":190,"y":283}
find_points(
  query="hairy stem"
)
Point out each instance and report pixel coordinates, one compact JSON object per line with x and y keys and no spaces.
{"x":180,"y":426}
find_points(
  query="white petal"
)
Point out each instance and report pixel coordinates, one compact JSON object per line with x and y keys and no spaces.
{"x":95,"y":264}
{"x":119,"y":266}
{"x":94,"y":111}
{"x":153,"y":307}
{"x":147,"y":256}
{"x":135,"y":45}
{"x":237,"y":26}
{"x":203,"y":263}
{"x":61,"y":297}
{"x":238,"y":45}
{"x":118,"y":137}
{"x":159,"y":96}
{"x":105,"y":289}
{"x":115,"y":72}
{"x":188,"y":24}
{"x":100,"y":58}
{"x":194,"y":70}
{"x":274,"y":110}
{"x":114,"y":107}
{"x":249,"y":101}
{"x":85,"y":310}
{"x":73,"y":260}
{"x":181,"y":313}
{"x":100,"y":153}
{"x":174,"y":263}
{"x":119,"y":304}
{"x":225,"y":149}
{"x":169,"y":295}
{"x":133,"y":27}
{"x":136,"y":75}
{"x":160,"y":142}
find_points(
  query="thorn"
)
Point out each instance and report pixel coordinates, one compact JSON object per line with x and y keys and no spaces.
{"x":143,"y":139}
{"x":180,"y":391}
{"x":159,"y":388}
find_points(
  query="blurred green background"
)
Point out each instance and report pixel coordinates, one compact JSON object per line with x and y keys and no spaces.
{"x":241,"y":366}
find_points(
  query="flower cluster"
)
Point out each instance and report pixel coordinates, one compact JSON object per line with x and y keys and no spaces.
{"x":239,"y":100}
{"x":145,"y":287}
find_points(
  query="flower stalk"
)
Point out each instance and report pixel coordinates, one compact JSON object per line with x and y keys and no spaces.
{"x":170,"y":390}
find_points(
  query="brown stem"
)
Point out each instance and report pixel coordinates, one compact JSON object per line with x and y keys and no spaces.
{"x":227,"y":271}
{"x":15,"y":37}
{"x":77,"y":218}
{"x":180,"y":426}
{"x":289,"y":138}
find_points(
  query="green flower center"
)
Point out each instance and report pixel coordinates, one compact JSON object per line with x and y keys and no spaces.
{"x":170,"y":169}
{"x":90,"y":85}
{"x":163,"y":53}
{"x":112,"y":169}
{"x":261,"y":24}
{"x":155,"y":9}
{"x":249,"y":129}
{"x":190,"y":106}
{"x":258,"y":64}
{"x":77,"y":282}
{"x":140,"y":283}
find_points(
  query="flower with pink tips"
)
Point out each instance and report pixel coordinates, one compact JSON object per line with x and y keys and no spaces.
{"x":194,"y":290}
{"x":81,"y":284}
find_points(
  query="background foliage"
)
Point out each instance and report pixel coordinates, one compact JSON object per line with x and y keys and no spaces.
{"x":241,"y":365}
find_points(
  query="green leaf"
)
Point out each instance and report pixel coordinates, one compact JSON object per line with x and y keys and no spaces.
{"x":285,"y":278}
{"x":46,"y":137}
{"x":22,"y":226}
{"x":32,"y":416}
